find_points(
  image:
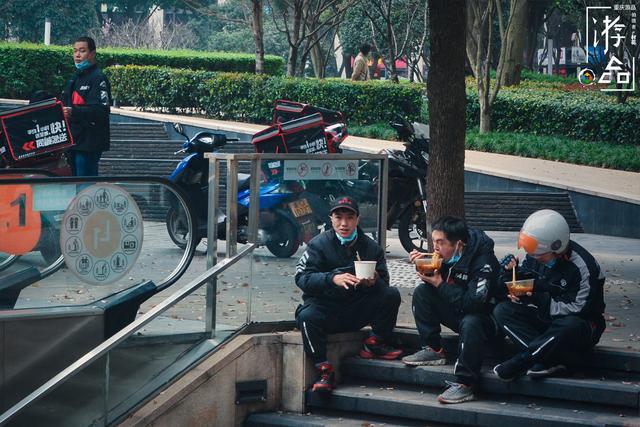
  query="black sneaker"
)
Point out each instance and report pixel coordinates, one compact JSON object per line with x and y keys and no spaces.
{"x":375,"y":348}
{"x":326,"y":381}
{"x":513,"y":368}
{"x":540,"y":370}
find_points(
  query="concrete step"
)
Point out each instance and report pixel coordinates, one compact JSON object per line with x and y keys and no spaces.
{"x":419,"y":403}
{"x":615,"y":388}
{"x":600,"y":359}
{"x":324,"y":418}
{"x":506,"y":211}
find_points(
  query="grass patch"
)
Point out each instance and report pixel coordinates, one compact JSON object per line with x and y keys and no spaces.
{"x":598,"y":154}
{"x":375,"y":131}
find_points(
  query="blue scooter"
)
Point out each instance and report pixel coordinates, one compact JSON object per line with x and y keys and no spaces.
{"x":286,"y":217}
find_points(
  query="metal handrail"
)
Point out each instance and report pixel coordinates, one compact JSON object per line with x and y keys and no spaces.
{"x":122,"y":335}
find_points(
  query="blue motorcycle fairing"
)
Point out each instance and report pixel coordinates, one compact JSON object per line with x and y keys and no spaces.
{"x":184,"y":163}
{"x":269,"y":199}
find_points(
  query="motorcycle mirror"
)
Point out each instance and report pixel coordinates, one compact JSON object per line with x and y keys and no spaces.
{"x":178,"y":127}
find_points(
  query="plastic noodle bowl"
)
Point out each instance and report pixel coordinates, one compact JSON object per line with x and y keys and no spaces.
{"x":428,"y":265}
{"x":520,"y":287}
{"x":365,"y":269}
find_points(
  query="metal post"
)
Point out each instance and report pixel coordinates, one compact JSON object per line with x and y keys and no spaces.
{"x":47,"y":31}
{"x":107,"y":381}
{"x":550,"y":56}
{"x":382,"y":197}
{"x":212,"y":244}
{"x":232,"y":208}
{"x":254,"y":221}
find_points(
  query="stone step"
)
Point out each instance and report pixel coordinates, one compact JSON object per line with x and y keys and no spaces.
{"x":323,"y":418}
{"x":601,"y":358}
{"x":615,"y":388}
{"x":420,"y":403}
{"x":506,"y":211}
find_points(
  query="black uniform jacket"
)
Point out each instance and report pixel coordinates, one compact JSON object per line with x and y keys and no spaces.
{"x":471,"y":285}
{"x":89,"y":93}
{"x":326,"y":257}
{"x":573,"y":286}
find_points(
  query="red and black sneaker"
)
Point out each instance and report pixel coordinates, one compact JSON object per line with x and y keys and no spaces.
{"x":375,"y":348}
{"x":326,"y":381}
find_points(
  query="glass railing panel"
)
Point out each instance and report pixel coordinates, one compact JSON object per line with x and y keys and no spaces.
{"x":294,"y":209}
{"x":111,"y":235}
{"x":79,"y":402}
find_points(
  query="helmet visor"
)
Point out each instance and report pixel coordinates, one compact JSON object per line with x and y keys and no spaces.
{"x":531,"y":245}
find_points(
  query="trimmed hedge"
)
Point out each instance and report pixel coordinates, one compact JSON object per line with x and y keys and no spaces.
{"x":583,"y":115}
{"x":25,"y":67}
{"x":250,"y":97}
{"x":587,"y":116}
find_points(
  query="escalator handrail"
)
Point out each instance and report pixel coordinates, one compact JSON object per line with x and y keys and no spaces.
{"x":123,"y":334}
{"x":189,"y":252}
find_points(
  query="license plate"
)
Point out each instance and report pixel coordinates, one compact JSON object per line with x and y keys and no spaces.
{"x":300,"y":208}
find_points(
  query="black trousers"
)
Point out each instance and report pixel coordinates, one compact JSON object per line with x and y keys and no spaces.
{"x":551,"y":341}
{"x":315,"y":320}
{"x":476,"y":331}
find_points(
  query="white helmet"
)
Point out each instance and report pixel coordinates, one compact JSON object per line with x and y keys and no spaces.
{"x":543,"y":232}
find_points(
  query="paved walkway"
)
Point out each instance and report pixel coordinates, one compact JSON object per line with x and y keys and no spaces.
{"x":618,"y":185}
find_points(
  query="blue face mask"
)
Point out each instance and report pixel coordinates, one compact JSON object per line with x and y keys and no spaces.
{"x":551,"y":263}
{"x":83,"y":65}
{"x":350,"y":238}
{"x":455,"y":258}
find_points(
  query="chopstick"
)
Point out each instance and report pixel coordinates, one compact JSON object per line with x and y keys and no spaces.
{"x":514,"y":275}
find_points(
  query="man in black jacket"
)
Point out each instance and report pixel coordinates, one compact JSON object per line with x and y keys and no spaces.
{"x":460,"y":296}
{"x":562,"y":319}
{"x":86,"y":100}
{"x":335,"y":300}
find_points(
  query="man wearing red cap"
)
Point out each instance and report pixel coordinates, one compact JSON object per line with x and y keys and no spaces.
{"x":335,"y":300}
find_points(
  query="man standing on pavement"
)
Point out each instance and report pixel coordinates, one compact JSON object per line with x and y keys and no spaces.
{"x":460,"y":295}
{"x":361,"y":64}
{"x":335,"y":300}
{"x":562,"y":319}
{"x":86,"y":100}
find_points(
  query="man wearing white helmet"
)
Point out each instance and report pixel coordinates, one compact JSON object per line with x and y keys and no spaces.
{"x":563,"y":317}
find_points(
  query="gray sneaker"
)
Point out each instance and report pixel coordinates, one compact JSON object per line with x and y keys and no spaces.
{"x":456,"y":393}
{"x":426,"y":356}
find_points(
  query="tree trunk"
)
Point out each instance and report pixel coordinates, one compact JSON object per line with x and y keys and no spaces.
{"x":447,"y":107}
{"x":258,"y":35}
{"x":514,"y":39}
{"x":291,"y":63}
{"x":485,"y":114}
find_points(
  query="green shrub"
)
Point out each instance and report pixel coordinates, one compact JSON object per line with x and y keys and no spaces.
{"x":589,"y":116}
{"x":25,"y":67}
{"x":249,"y":97}
{"x":598,"y":154}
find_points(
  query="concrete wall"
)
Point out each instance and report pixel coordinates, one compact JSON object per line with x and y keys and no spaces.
{"x":598,"y":215}
{"x":206,"y":395}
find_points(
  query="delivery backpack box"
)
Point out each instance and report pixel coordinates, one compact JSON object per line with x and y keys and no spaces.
{"x":33,"y":130}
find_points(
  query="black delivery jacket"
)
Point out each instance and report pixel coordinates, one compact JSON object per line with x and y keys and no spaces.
{"x":471,"y":285}
{"x":326,"y":257}
{"x":89,"y":93}
{"x":573,"y":286}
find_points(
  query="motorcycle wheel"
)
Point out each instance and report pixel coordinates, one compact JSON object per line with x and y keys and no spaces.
{"x":412,"y":229}
{"x":178,"y":228}
{"x":285,"y":240}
